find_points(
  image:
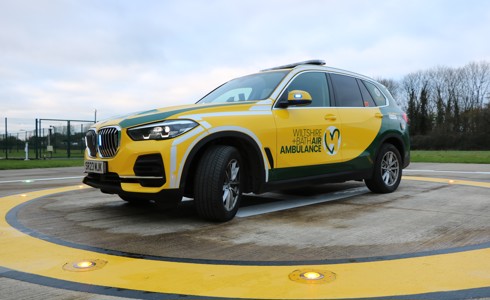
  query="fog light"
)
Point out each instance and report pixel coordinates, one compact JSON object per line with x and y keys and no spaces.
{"x":312,"y":276}
{"x":84,"y":265}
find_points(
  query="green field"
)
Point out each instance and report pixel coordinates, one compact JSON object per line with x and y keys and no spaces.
{"x":32,"y":164}
{"x":475,"y":157}
{"x":466,"y":157}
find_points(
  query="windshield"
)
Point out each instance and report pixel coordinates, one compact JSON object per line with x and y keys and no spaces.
{"x":252,"y":87}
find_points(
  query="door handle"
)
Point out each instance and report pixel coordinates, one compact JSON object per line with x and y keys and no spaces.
{"x":330,"y":117}
{"x":378,"y":115}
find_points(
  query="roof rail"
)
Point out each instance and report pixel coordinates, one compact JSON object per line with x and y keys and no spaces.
{"x":317,"y":62}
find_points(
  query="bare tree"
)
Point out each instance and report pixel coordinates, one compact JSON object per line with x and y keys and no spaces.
{"x":392,"y":85}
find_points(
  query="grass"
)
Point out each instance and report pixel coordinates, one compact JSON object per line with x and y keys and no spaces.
{"x":60,"y":153}
{"x":475,"y":157}
{"x":451,"y":156}
{"x":33,"y":164}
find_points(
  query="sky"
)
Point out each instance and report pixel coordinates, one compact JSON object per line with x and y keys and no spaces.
{"x":66,"y":59}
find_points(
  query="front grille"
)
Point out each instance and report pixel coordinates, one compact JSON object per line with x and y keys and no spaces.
{"x":91,"y":142}
{"x":108,"y":141}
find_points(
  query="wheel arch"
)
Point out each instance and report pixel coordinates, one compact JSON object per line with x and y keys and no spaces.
{"x":396,"y":141}
{"x":246,"y":146}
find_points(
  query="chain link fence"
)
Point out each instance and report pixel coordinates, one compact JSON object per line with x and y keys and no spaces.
{"x":42,"y":138}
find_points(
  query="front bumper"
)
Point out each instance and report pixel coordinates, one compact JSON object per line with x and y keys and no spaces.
{"x":110,"y":183}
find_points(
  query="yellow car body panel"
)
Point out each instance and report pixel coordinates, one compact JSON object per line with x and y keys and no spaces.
{"x":309,"y":137}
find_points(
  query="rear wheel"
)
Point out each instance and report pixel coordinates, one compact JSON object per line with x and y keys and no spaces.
{"x":387,"y":170}
{"x":218,"y":185}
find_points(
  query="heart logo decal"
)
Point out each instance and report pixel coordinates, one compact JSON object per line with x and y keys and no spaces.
{"x":332,"y":140}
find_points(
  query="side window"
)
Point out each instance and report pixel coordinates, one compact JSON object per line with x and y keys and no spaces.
{"x":368,"y":100}
{"x":314,"y":83}
{"x":347,"y":93}
{"x":378,"y":97}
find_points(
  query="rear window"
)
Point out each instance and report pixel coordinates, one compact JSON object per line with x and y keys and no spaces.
{"x":378,"y":97}
{"x":347,"y":93}
{"x":366,"y":96}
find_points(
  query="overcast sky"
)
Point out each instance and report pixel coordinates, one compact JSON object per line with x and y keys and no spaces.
{"x":64,"y":59}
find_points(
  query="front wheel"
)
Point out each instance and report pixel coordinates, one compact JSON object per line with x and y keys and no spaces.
{"x":218,"y":185}
{"x":387,"y":170}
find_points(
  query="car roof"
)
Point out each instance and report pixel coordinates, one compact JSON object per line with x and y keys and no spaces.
{"x":317,"y":64}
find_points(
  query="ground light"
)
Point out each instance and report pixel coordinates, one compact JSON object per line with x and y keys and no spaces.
{"x":312,"y":276}
{"x":84,"y":265}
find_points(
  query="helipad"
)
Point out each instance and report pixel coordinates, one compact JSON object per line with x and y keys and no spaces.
{"x":429,"y":240}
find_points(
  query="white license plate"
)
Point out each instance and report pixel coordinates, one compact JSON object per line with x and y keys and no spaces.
{"x":94,"y":166}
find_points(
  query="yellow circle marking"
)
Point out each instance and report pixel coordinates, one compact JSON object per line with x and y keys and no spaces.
{"x":416,"y":275}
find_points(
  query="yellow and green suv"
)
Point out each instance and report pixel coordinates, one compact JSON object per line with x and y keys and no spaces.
{"x":298,"y":124}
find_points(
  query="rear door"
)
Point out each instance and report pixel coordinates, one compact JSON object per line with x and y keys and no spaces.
{"x":361,"y":120}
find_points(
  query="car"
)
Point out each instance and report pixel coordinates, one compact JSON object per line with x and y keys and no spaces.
{"x":294,"y":125}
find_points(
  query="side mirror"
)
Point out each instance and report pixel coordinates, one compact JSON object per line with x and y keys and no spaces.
{"x":298,"y":97}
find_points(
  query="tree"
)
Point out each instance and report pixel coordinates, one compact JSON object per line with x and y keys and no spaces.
{"x":455,"y":101}
{"x":391,"y":85}
{"x":413,"y":113}
{"x":424,"y":116}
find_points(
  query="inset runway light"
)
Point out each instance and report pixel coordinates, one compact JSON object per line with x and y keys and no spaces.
{"x":312,"y":276}
{"x":451,"y":181}
{"x":27,"y":181}
{"x":84,"y":265}
{"x":23,"y":195}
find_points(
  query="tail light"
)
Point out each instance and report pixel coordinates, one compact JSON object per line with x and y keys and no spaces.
{"x":405,"y":117}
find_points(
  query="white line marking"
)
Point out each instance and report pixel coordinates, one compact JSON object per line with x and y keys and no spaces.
{"x":40,"y":179}
{"x":442,"y":171}
{"x":260,"y":209}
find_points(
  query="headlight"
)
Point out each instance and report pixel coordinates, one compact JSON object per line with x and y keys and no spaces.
{"x":162,"y":130}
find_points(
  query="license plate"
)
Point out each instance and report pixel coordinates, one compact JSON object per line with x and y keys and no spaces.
{"x":94,"y":166}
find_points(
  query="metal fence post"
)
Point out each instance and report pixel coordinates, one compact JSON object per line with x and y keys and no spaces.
{"x":6,"y":141}
{"x":35,"y":141}
{"x":68,"y":133}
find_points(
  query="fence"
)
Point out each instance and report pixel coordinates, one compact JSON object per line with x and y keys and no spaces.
{"x":43,"y":138}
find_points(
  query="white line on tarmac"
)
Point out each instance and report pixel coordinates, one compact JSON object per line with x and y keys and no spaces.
{"x":442,"y":171}
{"x":260,"y":209}
{"x":40,"y":179}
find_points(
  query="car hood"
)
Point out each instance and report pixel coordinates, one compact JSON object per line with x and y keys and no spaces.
{"x":160,"y":114}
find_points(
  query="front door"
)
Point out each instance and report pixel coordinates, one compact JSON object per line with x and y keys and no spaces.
{"x":308,"y":137}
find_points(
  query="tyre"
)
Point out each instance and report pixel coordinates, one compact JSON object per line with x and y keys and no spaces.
{"x":218,"y":184}
{"x":387,"y":171}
